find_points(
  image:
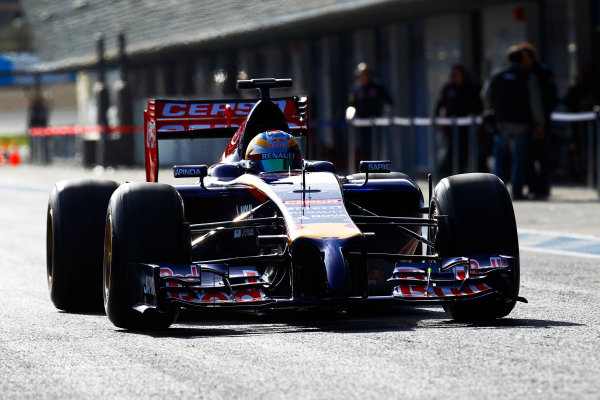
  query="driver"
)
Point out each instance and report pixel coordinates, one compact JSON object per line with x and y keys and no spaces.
{"x":272,"y":151}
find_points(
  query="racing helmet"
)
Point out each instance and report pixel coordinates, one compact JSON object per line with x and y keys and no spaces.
{"x":273,"y":150}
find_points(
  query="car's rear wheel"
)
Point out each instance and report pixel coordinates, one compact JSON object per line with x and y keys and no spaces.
{"x":74,"y":246}
{"x":144,"y":223}
{"x":476,"y":217}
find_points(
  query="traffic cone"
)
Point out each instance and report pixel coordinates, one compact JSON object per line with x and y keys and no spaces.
{"x":14,"y":158}
{"x":3,"y":152}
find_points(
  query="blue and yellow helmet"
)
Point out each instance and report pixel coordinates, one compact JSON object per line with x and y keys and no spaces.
{"x":273,"y":151}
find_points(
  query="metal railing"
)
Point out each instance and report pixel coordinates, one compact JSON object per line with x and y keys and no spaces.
{"x":400,"y":124}
{"x":395,"y":137}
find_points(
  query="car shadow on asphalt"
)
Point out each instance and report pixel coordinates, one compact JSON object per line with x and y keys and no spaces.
{"x":198,"y":324}
{"x":92,"y":313}
{"x":510,"y":323}
{"x":194,"y":324}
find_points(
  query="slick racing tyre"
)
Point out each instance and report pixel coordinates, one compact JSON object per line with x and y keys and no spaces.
{"x":475,"y":216}
{"x":74,"y":243}
{"x":144,"y":223}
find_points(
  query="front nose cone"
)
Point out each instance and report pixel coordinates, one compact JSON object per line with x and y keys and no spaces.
{"x":325,"y":267}
{"x":335,"y":268}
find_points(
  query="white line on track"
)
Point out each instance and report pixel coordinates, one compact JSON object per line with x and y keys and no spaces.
{"x":560,"y":243}
{"x":559,"y":252}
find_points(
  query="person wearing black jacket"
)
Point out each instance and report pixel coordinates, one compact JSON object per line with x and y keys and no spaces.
{"x":513,"y":94}
{"x":370,"y":99}
{"x":458,"y":98}
{"x":539,"y":168}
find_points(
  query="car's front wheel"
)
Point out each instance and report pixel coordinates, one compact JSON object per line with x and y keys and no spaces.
{"x":476,"y":217}
{"x":144,"y":223}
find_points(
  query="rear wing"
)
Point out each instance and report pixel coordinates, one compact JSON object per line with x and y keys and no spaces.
{"x":204,"y":119}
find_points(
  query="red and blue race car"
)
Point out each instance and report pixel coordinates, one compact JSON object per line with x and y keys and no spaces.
{"x":266,"y":227}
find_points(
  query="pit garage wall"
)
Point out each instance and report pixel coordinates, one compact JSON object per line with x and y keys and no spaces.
{"x":411,"y":57}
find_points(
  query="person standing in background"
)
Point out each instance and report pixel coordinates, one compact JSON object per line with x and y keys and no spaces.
{"x":370,"y":100}
{"x":582,"y":96}
{"x":458,"y":98}
{"x":37,"y":116}
{"x":539,"y":169}
{"x":512,"y":92}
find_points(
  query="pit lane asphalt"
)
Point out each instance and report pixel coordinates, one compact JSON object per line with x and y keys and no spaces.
{"x":547,"y":349}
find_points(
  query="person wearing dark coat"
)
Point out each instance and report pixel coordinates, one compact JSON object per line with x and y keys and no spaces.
{"x":512,"y":92}
{"x":458,"y":98}
{"x":370,"y":99}
{"x":539,"y":168}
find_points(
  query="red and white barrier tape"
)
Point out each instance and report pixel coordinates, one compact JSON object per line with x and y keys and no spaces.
{"x":81,"y":130}
{"x":459,"y":121}
{"x":358,"y":122}
{"x":573,"y":117}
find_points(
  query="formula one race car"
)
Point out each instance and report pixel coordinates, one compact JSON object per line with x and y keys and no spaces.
{"x":265,"y":228}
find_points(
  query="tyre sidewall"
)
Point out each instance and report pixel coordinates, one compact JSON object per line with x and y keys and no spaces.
{"x":146,"y":224}
{"x":476,"y":217}
{"x":74,"y":242}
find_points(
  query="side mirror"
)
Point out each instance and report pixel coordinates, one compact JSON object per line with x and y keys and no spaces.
{"x":369,"y":167}
{"x":191,"y":171}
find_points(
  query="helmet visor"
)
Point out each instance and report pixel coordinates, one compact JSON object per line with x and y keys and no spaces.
{"x":278,"y":164}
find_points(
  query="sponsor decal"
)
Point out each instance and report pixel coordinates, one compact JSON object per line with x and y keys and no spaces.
{"x":151,"y":135}
{"x":247,"y":295}
{"x":187,"y":171}
{"x":236,"y":137}
{"x":250,"y":273}
{"x":174,"y":109}
{"x":211,"y":297}
{"x":497,"y":262}
{"x":376,"y":277}
{"x":242,"y":233}
{"x":210,"y":109}
{"x":407,"y":290}
{"x":332,"y":213}
{"x":278,"y":142}
{"x":278,"y":156}
{"x":165,"y":271}
{"x":311,"y":202}
{"x":149,"y":286}
{"x":244,"y":208}
{"x":379,"y":167}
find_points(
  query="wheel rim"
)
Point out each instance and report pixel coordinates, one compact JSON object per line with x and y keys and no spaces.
{"x":107,"y":256}
{"x":49,"y":246}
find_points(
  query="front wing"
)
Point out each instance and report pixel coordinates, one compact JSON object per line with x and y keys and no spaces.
{"x":448,"y":280}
